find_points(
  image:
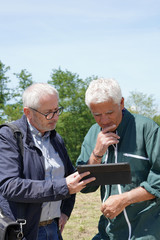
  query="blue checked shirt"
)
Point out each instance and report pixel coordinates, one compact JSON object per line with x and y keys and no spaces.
{"x":54,"y":169}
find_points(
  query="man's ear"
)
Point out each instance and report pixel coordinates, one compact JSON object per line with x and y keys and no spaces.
{"x":27,"y":112}
{"x":122,"y":103}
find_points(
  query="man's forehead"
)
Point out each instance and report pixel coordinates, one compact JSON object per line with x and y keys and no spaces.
{"x":103,"y":106}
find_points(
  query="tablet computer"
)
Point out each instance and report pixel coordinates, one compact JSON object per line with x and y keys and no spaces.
{"x":107,"y":174}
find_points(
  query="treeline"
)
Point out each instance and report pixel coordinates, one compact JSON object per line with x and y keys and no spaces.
{"x":76,"y":119}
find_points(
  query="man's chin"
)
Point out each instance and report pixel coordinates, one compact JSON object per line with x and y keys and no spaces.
{"x":51,"y":127}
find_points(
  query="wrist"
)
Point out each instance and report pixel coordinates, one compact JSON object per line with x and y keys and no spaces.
{"x":96,"y":158}
{"x":96,"y":155}
{"x":127,"y":198}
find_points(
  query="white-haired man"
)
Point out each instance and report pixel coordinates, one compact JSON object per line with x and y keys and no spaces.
{"x":130,"y":211}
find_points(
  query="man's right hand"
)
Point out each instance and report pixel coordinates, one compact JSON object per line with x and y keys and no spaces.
{"x":105,"y":138}
{"x":74,"y":182}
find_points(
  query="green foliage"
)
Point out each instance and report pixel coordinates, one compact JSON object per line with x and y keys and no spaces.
{"x":141,"y":103}
{"x":14,"y":110}
{"x":76,"y":119}
{"x":24,"y":80}
{"x":4,"y":80}
{"x":4,"y":91}
{"x":156,"y":118}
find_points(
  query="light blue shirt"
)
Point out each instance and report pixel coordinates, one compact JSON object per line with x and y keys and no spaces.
{"x":54,"y":169}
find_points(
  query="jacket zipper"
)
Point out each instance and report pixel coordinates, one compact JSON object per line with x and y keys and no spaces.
{"x":120,"y":192}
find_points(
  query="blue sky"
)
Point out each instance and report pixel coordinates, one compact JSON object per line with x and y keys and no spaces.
{"x":106,"y":38}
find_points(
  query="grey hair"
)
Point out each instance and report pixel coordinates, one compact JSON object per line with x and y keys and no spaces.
{"x":32,"y":95}
{"x":103,"y":90}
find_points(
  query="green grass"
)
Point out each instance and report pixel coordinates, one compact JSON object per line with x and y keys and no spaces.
{"x":83,"y":222}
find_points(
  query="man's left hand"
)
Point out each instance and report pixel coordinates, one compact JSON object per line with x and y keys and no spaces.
{"x":62,"y":221}
{"x":113,"y":206}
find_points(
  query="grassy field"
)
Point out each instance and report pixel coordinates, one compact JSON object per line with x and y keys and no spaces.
{"x":83,"y":222}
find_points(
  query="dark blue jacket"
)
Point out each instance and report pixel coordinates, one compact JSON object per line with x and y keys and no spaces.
{"x":22,"y":184}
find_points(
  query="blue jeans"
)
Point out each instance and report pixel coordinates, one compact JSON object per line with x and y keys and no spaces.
{"x":49,"y":232}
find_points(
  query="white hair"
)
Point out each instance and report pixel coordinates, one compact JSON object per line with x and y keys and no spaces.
{"x":33,"y":94}
{"x":103,"y":90}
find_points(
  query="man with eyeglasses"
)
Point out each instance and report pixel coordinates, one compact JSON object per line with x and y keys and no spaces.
{"x":42,"y":183}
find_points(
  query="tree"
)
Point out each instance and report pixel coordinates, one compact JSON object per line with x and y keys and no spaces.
{"x":5,"y":94}
{"x":141,"y":103}
{"x":4,"y":80}
{"x":76,"y":118}
{"x":14,"y":110}
{"x":24,"y":80}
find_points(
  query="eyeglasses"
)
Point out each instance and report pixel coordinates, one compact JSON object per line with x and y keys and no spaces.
{"x":50,"y":115}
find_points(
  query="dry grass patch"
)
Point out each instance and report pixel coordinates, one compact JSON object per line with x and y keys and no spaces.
{"x":83,"y":222}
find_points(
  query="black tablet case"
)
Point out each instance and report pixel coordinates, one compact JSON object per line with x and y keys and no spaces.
{"x":107,"y":174}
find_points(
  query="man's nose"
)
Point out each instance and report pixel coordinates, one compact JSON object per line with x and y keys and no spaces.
{"x":105,"y":118}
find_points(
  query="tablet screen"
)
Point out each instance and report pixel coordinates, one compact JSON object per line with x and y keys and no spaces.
{"x":107,"y":174}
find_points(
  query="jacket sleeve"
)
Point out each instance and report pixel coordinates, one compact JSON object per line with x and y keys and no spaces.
{"x":152,"y":185}
{"x":15,"y":186}
{"x":67,"y":205}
